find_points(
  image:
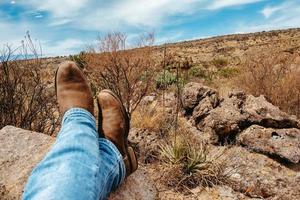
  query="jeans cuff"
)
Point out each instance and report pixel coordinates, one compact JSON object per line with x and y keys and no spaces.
{"x":78,"y":112}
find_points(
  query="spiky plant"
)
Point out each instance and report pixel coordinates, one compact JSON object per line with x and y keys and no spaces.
{"x":189,"y":165}
{"x":173,"y":153}
{"x":195,"y":160}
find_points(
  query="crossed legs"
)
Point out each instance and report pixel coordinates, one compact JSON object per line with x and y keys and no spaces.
{"x":83,"y":164}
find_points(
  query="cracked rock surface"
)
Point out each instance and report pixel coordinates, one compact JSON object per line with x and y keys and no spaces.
{"x":284,"y":143}
{"x":21,"y":150}
{"x":265,"y":141}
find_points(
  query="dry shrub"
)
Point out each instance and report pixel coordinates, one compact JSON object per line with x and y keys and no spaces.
{"x":25,"y":99}
{"x":275,"y":75}
{"x":127,"y":72}
{"x":219,"y":62}
{"x":153,"y":118}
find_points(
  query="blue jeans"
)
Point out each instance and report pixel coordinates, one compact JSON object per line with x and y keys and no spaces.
{"x":80,"y":165}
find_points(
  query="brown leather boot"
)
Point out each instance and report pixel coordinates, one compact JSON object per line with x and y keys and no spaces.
{"x":72,"y":89}
{"x":114,"y":125}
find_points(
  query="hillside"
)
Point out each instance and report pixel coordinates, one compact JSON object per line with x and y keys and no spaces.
{"x":235,"y":47}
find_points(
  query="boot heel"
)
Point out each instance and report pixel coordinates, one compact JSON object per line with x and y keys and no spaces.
{"x":131,"y":156}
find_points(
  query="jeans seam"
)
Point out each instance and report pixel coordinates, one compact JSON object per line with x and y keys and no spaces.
{"x":119,"y":156}
{"x":108,"y":175}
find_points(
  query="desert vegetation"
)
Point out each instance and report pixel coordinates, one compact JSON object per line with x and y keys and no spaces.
{"x":187,"y":164}
{"x":149,"y":81}
{"x":25,"y":99}
{"x":274,"y":75}
{"x":128,"y":73}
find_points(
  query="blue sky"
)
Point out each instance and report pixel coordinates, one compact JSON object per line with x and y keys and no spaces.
{"x":65,"y":27}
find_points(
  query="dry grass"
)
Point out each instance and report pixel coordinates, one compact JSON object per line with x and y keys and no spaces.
{"x":152,"y":117}
{"x":274,"y":75}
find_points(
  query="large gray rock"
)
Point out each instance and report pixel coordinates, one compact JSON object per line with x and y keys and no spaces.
{"x":284,"y":143}
{"x":264,"y":113}
{"x":225,"y":118}
{"x":136,"y":186}
{"x":21,"y":150}
{"x":205,"y":106}
{"x":259,"y":176}
{"x":193,"y":93}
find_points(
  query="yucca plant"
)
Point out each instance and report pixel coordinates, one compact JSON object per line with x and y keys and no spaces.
{"x":173,"y":153}
{"x":195,"y":160}
{"x":190,"y":166}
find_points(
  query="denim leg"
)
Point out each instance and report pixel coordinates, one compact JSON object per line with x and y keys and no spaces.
{"x":79,"y":165}
{"x":112,"y":170}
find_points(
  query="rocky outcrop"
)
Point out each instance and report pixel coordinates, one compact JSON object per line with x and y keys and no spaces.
{"x":21,"y":150}
{"x":225,"y":118}
{"x":284,"y":143}
{"x":264,"y":113}
{"x":193,"y":94}
{"x":259,"y":176}
{"x":265,"y":157}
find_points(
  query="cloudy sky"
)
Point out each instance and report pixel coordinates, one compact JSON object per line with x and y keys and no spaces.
{"x":65,"y":27}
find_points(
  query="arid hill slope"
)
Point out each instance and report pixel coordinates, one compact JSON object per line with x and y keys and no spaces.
{"x":234,"y":47}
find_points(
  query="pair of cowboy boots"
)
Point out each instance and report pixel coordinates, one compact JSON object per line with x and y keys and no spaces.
{"x":72,"y":90}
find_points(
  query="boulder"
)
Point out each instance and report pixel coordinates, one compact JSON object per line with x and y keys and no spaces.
{"x":226,"y":119}
{"x":264,"y":113}
{"x":21,"y":150}
{"x":193,"y":93}
{"x":284,"y":143}
{"x":259,"y":176}
{"x":136,"y":186}
{"x":204,"y":107}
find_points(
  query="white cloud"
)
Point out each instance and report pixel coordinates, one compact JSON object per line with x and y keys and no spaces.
{"x":284,"y":15}
{"x":12,"y":2}
{"x":64,"y":47}
{"x":218,"y":4}
{"x":14,"y":34}
{"x":268,"y":11}
{"x":287,"y":14}
{"x":59,"y":22}
{"x":104,"y":15}
{"x":59,"y":8}
{"x":135,"y":13}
